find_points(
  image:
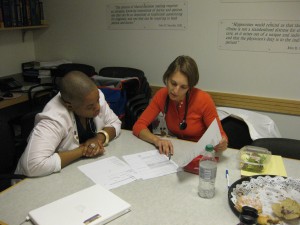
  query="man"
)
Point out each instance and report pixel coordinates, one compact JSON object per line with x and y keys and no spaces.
{"x":76,"y":123}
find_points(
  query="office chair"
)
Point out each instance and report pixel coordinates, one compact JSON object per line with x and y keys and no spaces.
{"x":128,"y":120}
{"x":289,"y":148}
{"x":40,"y":94}
{"x":123,"y":72}
{"x":8,"y":156}
{"x":38,"y":97}
{"x":65,"y":68}
{"x":237,"y":132}
{"x":143,"y":92}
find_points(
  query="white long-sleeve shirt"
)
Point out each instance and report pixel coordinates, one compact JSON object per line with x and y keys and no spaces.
{"x":55,"y":131}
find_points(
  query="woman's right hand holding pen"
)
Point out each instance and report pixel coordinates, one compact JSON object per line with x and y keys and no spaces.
{"x":164,"y":146}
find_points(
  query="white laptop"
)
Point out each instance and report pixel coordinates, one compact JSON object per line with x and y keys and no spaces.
{"x":91,"y":206}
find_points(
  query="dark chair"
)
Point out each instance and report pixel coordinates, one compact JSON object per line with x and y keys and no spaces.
{"x":144,"y":92}
{"x":8,"y":156}
{"x":65,"y":68}
{"x":134,"y":108}
{"x":38,"y":96}
{"x":289,"y":148}
{"x":122,"y":72}
{"x":237,"y":132}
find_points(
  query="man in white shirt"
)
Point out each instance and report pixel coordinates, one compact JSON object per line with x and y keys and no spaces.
{"x":76,"y":123}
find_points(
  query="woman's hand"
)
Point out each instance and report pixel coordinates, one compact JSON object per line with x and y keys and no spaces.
{"x":222,"y":146}
{"x":164,"y":146}
{"x":93,"y":148}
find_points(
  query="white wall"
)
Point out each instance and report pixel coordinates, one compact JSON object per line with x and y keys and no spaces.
{"x":78,"y":33}
{"x":13,"y":51}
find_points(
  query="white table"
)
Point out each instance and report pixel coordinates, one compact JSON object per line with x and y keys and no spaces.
{"x":171,"y":199}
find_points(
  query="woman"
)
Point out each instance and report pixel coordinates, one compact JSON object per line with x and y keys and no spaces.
{"x":188,"y":111}
{"x":76,"y":123}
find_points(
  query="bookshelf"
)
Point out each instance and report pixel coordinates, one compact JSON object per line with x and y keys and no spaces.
{"x":24,"y":29}
{"x":22,"y":15}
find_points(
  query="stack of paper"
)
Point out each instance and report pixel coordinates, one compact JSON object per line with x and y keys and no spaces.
{"x":112,"y":172}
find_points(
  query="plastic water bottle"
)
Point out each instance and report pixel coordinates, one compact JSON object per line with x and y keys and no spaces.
{"x":207,"y":173}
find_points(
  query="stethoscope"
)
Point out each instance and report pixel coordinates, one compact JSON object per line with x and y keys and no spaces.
{"x":183,"y":124}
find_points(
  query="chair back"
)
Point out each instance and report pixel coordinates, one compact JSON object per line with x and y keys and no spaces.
{"x":237,"y":132}
{"x":123,"y":72}
{"x":134,"y":108}
{"x":65,"y":68}
{"x":8,"y":157}
{"x":39,"y":95}
{"x":7,"y":152}
{"x":289,"y":148}
{"x":138,"y":98}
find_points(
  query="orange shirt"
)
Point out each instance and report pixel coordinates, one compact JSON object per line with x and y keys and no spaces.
{"x":201,"y":112}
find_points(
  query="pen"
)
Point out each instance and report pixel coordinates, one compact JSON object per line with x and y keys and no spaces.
{"x":169,"y":154}
{"x":91,"y":219}
{"x":227,"y":177}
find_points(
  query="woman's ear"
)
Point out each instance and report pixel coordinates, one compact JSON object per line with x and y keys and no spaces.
{"x":68,"y":105}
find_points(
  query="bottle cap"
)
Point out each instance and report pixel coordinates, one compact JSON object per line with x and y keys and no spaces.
{"x":250,"y":211}
{"x":209,"y":148}
{"x":249,"y":215}
{"x":246,"y":219}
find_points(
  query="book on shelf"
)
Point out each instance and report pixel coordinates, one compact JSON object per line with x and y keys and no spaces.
{"x":1,"y":16}
{"x":42,"y":16}
{"x":6,"y":13}
{"x":33,"y":15}
{"x":13,"y":17}
{"x":20,"y":13}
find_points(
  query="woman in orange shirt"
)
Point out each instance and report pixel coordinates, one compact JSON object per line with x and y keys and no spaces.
{"x":188,"y":111}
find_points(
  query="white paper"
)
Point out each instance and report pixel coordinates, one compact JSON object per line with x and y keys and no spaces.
{"x":211,"y":136}
{"x":50,"y":64}
{"x":110,"y":172}
{"x":151,"y":164}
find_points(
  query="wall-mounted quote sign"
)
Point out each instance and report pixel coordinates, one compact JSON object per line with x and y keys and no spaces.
{"x":147,"y":15}
{"x":260,"y":35}
{"x":259,"y":1}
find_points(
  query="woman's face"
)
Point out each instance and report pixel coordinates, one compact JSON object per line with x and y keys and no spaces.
{"x":90,"y":107}
{"x":177,"y":85}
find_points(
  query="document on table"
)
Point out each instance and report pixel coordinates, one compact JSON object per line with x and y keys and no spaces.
{"x":151,"y":164}
{"x":211,"y":136}
{"x":110,"y":172}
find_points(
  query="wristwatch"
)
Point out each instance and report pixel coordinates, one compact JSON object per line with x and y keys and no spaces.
{"x":106,"y":137}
